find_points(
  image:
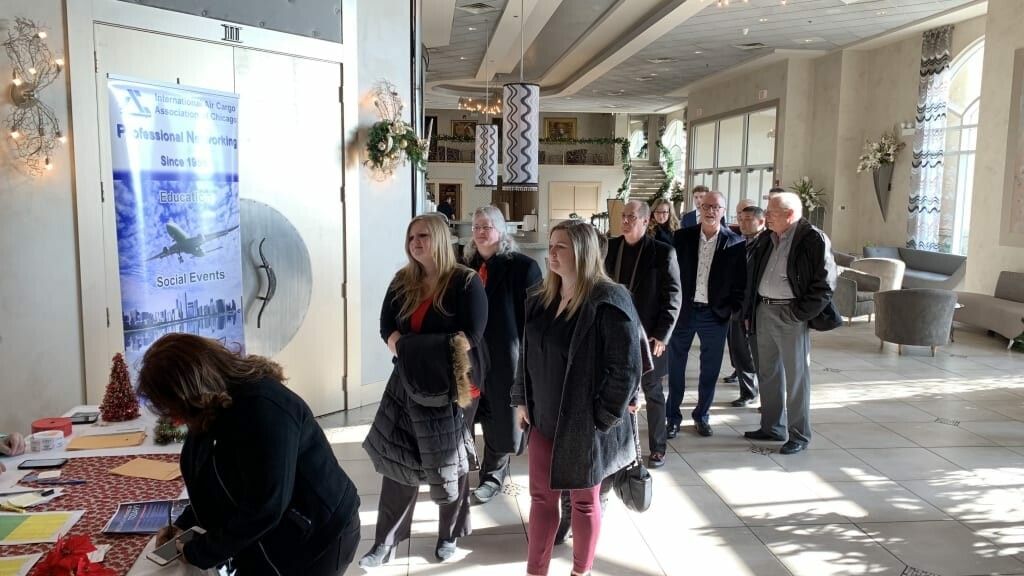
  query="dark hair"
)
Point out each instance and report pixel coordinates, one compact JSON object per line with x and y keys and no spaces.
{"x":776,"y":190}
{"x":757,"y":211}
{"x":700,"y":188}
{"x":188,"y":377}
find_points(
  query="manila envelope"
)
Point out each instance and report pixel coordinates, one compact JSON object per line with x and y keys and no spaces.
{"x":145,"y":468}
{"x":111,"y":441}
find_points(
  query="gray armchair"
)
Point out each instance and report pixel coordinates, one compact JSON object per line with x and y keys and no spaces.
{"x":888,"y":270}
{"x":855,"y":294}
{"x":914,"y":317}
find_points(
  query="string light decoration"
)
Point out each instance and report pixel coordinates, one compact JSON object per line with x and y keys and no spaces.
{"x":485,"y":106}
{"x":32,"y":125}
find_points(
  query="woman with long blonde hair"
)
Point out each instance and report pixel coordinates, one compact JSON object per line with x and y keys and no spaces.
{"x":578,"y":371}
{"x":664,"y":221}
{"x":420,"y":431}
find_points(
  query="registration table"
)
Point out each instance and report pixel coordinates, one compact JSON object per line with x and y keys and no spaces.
{"x":100,"y":494}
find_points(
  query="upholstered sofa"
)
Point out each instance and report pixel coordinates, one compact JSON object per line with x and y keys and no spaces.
{"x":914,"y":317}
{"x":924,"y":269}
{"x":1002,"y":312}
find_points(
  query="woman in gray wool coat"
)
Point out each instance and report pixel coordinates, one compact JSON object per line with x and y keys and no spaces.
{"x":578,"y":370}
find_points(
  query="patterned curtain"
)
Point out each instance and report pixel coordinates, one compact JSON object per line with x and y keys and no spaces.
{"x":929,"y":141}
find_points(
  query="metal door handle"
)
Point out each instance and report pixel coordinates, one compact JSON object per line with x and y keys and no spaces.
{"x":271,"y":284}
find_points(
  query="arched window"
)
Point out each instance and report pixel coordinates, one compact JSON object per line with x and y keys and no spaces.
{"x":961,"y":144}
{"x":675,"y":141}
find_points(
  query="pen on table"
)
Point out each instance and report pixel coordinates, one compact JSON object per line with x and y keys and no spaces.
{"x":59,"y":481}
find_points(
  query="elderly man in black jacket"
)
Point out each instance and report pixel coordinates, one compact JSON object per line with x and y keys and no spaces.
{"x":648,"y":269}
{"x":713,"y":272}
{"x":792,"y":278}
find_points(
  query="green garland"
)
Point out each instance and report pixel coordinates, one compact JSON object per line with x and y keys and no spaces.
{"x":387,"y":142}
{"x":600,"y":141}
{"x":167,"y":431}
{"x":670,"y":170}
{"x":627,"y":169}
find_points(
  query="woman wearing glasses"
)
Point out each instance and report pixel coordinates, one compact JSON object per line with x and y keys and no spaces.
{"x":664,"y":224}
{"x":435,"y":309}
{"x":579,"y":368}
{"x":507,"y":275}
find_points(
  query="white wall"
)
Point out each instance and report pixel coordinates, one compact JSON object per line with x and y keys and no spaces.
{"x":40,"y":316}
{"x":987,"y":253}
{"x":385,"y":207}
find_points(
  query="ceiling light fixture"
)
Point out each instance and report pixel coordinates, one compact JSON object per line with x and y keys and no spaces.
{"x":522,"y":125}
{"x":486,"y":136}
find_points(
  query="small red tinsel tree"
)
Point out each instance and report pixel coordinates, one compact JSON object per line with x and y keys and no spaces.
{"x":119,"y":402}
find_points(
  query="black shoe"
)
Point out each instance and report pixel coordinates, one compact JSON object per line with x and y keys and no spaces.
{"x":379,"y":554}
{"x":672,"y":431}
{"x":762,"y":435}
{"x":732,"y":379}
{"x":741,"y":402}
{"x":704,"y":429}
{"x":445,"y":549}
{"x":656,"y":460}
{"x":792,"y":447}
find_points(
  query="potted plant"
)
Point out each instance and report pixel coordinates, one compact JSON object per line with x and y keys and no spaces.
{"x":879,"y":158}
{"x":812,"y":199}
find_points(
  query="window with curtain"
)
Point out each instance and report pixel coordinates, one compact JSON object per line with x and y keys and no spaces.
{"x":961,"y":143}
{"x":735,"y":155}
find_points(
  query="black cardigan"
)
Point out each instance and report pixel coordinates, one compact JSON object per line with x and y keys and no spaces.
{"x":265,"y":484}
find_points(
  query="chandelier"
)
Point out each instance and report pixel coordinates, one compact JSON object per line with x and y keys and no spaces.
{"x":481,"y":106}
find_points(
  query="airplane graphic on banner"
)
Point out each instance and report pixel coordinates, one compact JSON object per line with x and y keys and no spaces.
{"x":183,"y":244}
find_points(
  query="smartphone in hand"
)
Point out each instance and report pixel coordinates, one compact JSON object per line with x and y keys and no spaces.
{"x":167,"y":553}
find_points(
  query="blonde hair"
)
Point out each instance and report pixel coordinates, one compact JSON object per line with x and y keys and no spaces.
{"x":589,"y":266}
{"x":673,"y":220}
{"x":408,"y":282}
{"x":187,"y":377}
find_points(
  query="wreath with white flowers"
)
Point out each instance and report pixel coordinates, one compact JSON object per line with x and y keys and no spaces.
{"x":392,"y":143}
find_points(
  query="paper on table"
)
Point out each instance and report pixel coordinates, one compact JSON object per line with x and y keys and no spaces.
{"x":110,"y":430}
{"x":112,"y":441}
{"x":18,"y":565}
{"x":34,"y":527}
{"x":49,"y":475}
{"x":145,"y":468}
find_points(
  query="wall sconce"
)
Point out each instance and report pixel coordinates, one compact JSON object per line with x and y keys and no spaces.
{"x":32,"y":125}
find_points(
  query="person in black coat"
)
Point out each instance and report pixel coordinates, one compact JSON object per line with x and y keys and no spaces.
{"x":649,"y":270}
{"x":506,"y":275}
{"x":664,"y":222}
{"x":580,"y":366}
{"x":713,"y":273}
{"x":261,"y":476}
{"x":693,"y":217}
{"x":409,"y":441}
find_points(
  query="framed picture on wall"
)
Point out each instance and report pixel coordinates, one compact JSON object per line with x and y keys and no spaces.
{"x":559,"y":127}
{"x":464,"y":128}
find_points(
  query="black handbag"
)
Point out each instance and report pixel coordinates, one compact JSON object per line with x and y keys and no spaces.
{"x":634,"y":484}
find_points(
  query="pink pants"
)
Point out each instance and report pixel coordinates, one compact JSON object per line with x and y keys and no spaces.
{"x":544,"y":514}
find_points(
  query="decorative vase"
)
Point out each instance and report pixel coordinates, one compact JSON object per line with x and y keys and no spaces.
{"x":883,"y":184}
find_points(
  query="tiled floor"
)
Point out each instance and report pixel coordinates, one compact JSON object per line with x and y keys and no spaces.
{"x":916,"y":468}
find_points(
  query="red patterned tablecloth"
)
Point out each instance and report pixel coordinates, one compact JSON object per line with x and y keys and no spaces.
{"x":99,"y":497}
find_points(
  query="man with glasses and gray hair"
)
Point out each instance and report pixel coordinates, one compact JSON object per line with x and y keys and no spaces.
{"x":713,"y":274}
{"x":791,"y":282}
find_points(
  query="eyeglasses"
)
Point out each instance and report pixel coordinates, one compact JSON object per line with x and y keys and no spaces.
{"x":630,"y":218}
{"x":485,"y":229}
{"x":711,"y":207}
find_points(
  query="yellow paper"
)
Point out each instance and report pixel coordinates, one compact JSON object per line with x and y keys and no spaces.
{"x":26,"y":500}
{"x":145,"y":468}
{"x":18,"y":565}
{"x":111,"y":441}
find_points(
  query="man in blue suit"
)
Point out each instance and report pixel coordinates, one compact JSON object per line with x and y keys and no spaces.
{"x":692,"y":218}
{"x":713,"y":277}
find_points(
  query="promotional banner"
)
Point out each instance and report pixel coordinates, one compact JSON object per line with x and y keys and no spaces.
{"x":174,"y":154}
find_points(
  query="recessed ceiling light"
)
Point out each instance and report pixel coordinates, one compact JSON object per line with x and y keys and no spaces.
{"x":472,"y":28}
{"x":762,"y":19}
{"x":462,"y":57}
{"x":808,"y":40}
{"x":698,"y":51}
{"x":654,"y":73}
{"x":568,"y":97}
{"x":661,"y":60}
{"x":643,"y":78}
{"x":880,"y":13}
